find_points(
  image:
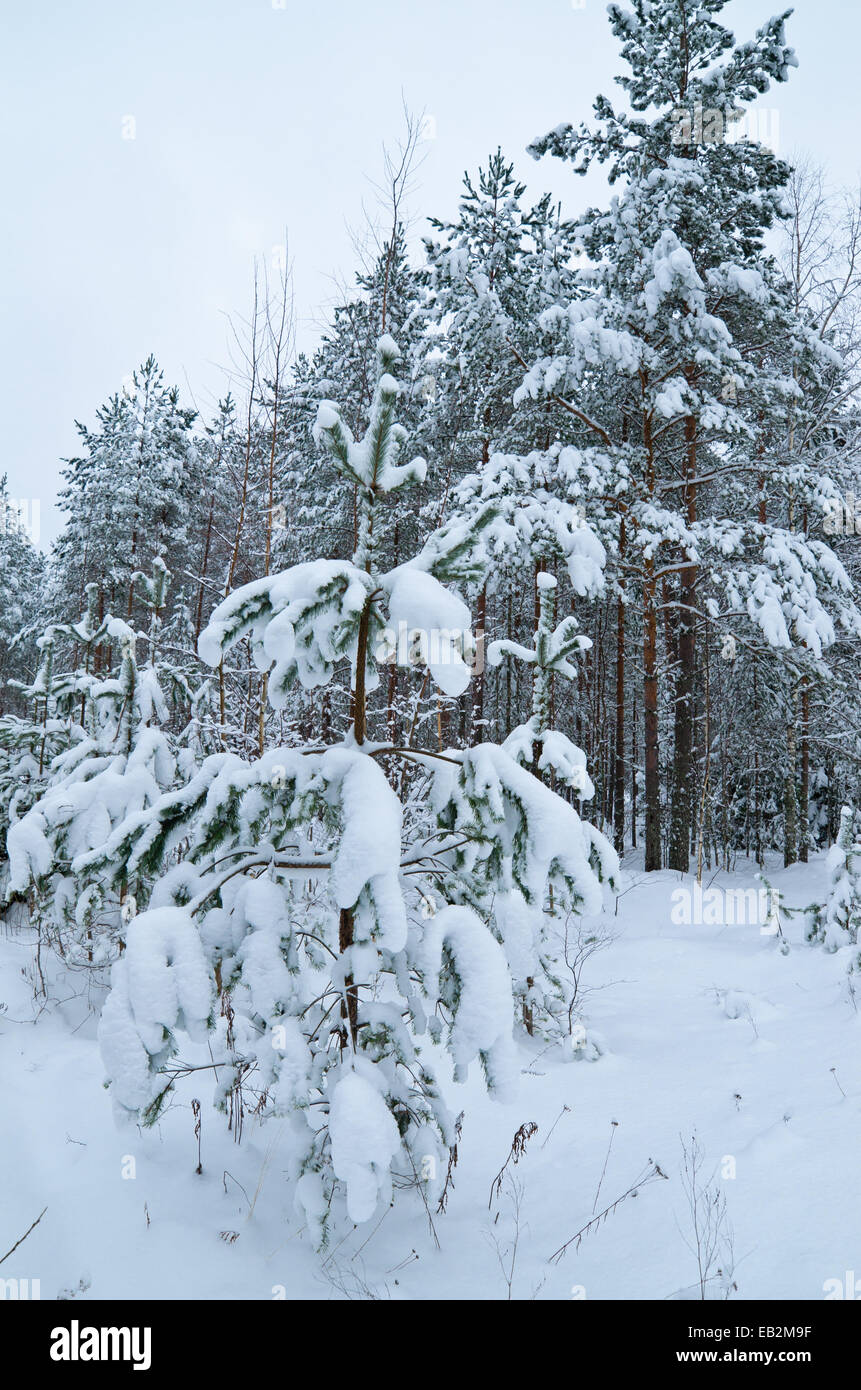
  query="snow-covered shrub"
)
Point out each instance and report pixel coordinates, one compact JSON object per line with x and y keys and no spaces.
{"x":837,"y":921}
{"x":100,"y":755}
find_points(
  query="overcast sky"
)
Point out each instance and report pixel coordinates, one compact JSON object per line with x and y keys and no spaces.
{"x":248,"y":116}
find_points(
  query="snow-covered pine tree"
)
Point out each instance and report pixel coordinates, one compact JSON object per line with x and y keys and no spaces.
{"x":103,"y":756}
{"x":321,"y":518}
{"x":130,"y":495}
{"x":838,"y":921}
{"x":671,"y":309}
{"x":818,"y":452}
{"x":548,"y":752}
{"x":480,"y":271}
{"x":21,"y":579}
{"x":55,"y":704}
{"x":489,"y":275}
{"x":24,"y":735}
{"x":343,"y":914}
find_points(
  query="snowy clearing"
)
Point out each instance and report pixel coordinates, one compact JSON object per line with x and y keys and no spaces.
{"x":704,"y":1028}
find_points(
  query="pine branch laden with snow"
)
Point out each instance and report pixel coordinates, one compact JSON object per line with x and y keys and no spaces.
{"x":548,"y":750}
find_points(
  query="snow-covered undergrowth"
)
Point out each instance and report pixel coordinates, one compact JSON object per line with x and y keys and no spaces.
{"x":716,"y":1047}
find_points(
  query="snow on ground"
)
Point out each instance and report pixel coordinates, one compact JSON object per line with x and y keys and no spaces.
{"x":705,"y":1028}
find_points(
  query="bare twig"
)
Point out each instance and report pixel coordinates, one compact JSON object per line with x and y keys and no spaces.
{"x":515,"y":1153}
{"x":652,"y":1173}
{"x":566,"y":1109}
{"x":614,"y":1125}
{"x":24,"y":1236}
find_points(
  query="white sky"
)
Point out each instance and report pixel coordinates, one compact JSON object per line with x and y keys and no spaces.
{"x":250,"y":117}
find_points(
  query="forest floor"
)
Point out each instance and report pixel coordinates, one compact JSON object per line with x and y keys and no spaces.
{"x":706,"y":1030}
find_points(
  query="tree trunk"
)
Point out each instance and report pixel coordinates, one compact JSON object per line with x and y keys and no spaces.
{"x":650,"y":722}
{"x":619,"y":764}
{"x":478,"y":681}
{"x":350,"y":1002}
{"x":681,"y":815}
{"x":804,"y":789}
{"x":790,"y":794}
{"x":359,"y":698}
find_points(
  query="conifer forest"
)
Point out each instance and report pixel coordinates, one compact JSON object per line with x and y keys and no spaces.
{"x":430,"y":760}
